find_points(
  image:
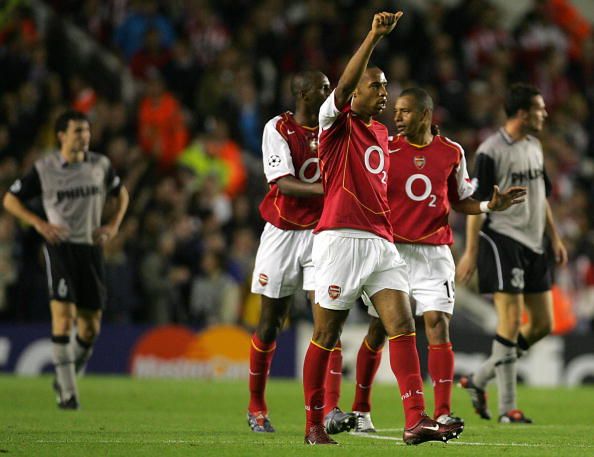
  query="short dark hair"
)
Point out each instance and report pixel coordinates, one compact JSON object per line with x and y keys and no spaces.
{"x":519,"y":96}
{"x":61,"y":124}
{"x":303,"y":81}
{"x":421,"y":96}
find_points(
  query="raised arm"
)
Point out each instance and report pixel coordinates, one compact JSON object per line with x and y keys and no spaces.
{"x":383,"y":24}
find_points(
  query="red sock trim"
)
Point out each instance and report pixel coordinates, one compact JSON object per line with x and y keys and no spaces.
{"x":437,"y":347}
{"x":260,"y":346}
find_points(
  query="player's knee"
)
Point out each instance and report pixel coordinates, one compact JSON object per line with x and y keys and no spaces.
{"x":326,"y":338}
{"x":541,"y":329}
{"x":269,"y":327}
{"x":61,"y":326}
{"x":267,"y":333}
{"x":404,"y":325}
{"x":376,"y":335}
{"x":89,"y":333}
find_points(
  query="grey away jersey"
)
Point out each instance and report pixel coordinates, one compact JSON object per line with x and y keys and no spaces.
{"x":505,"y":162}
{"x":73,"y":195}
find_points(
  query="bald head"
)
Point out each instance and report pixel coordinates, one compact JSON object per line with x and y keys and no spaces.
{"x":372,"y":73}
{"x":310,"y":88}
{"x":304,"y":81}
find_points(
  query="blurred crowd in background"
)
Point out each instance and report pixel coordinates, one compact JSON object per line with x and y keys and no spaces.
{"x":208,"y":74}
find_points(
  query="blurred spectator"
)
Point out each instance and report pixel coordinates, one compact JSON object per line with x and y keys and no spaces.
{"x":152,"y":55}
{"x":160,"y":280}
{"x":162,"y":132}
{"x":215,"y":297}
{"x":183,"y":73}
{"x":143,"y":15}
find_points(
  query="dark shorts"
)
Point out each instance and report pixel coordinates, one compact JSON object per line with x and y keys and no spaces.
{"x":76,"y":274}
{"x":506,"y":265}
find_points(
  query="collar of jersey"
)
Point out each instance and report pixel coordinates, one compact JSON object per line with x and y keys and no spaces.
{"x":64,"y":163}
{"x":420,"y":146}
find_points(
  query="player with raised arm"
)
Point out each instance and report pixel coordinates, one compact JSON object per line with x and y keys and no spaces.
{"x":73,"y":184}
{"x":353,"y":248}
{"x":509,"y":249}
{"x":291,"y":209}
{"x":427,"y":178}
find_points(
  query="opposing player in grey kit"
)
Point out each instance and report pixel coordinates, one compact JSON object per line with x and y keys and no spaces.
{"x":509,"y":248}
{"x":73,"y":184}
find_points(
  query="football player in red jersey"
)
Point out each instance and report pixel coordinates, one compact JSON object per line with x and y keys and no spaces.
{"x":291,"y":209}
{"x":353,"y":248}
{"x":427,"y":178}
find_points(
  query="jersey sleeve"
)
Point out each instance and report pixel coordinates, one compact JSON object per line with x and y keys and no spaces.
{"x":328,"y":113}
{"x":485,"y":176}
{"x":27,"y":187}
{"x":459,"y":186}
{"x":548,"y":184}
{"x":276,"y":154}
{"x":113,"y":183}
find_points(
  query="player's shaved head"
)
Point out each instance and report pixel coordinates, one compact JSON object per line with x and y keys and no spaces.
{"x":304,"y":81}
{"x":423,"y":100}
{"x":371,"y":72}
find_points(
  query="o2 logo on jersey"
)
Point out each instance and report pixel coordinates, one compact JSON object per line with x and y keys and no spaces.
{"x":426,"y":194}
{"x":379,"y":168}
{"x":304,"y":168}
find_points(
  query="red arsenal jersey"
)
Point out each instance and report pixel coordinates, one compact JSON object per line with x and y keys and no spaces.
{"x":354,"y":165}
{"x":290,"y":149}
{"x":421,"y":184}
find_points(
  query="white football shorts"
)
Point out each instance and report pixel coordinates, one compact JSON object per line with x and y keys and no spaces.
{"x":431,"y":272}
{"x":348,"y":262}
{"x":283,"y":262}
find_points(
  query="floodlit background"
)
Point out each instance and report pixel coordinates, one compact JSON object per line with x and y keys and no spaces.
{"x":178,"y":92}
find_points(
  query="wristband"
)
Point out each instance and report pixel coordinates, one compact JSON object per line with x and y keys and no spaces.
{"x":484,"y":207}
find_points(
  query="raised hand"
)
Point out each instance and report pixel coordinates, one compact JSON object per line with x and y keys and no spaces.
{"x":500,"y":201}
{"x":384,"y":23}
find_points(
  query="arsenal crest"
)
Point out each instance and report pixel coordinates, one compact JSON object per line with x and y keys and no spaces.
{"x":334,"y":291}
{"x":419,"y":161}
{"x":262,"y":279}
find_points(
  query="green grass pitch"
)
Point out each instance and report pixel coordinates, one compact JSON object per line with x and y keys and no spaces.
{"x":121,"y":416}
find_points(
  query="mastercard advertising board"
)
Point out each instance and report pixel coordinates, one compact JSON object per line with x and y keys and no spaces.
{"x":218,"y":352}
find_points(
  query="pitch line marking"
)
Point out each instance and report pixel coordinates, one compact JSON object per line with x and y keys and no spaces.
{"x":464,"y":443}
